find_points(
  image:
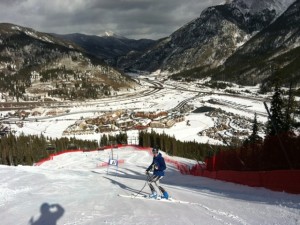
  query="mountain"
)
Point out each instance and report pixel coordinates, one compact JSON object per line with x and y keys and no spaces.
{"x":109,"y":47}
{"x":210,"y":39}
{"x":272,"y":54}
{"x":38,"y":65}
{"x":256,"y":6}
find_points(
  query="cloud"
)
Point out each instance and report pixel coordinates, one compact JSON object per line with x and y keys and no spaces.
{"x":129,"y":18}
{"x":11,"y":2}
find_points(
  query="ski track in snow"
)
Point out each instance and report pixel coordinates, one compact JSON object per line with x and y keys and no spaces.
{"x":223,"y":217}
{"x":216,"y":214}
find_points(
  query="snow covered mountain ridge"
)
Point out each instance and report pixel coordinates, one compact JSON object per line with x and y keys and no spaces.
{"x":208,"y":41}
{"x":7,"y":30}
{"x":111,"y":34}
{"x":256,"y":6}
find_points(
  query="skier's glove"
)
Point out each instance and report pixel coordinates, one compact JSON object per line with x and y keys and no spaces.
{"x":147,"y":172}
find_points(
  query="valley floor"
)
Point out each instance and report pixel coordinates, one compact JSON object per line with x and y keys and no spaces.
{"x":149,"y":97}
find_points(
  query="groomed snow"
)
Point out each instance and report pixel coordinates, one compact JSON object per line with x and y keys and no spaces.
{"x":88,"y":195}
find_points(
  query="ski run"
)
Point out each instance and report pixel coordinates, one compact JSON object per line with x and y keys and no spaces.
{"x":76,"y":189}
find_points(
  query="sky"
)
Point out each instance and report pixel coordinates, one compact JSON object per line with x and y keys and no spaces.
{"x":76,"y":189}
{"x":134,"y":19}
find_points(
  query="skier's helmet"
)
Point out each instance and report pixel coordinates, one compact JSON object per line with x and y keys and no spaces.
{"x":155,"y":150}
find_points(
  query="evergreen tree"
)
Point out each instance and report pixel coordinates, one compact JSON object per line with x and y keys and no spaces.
{"x":290,"y":110}
{"x":172,"y":146}
{"x":254,"y":138}
{"x":276,"y":123}
{"x":25,"y":150}
{"x":104,"y":140}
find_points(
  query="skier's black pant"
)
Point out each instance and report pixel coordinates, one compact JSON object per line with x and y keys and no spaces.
{"x":154,"y":179}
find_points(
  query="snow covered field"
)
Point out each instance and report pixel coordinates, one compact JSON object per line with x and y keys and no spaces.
{"x":87,"y":194}
{"x":172,"y":95}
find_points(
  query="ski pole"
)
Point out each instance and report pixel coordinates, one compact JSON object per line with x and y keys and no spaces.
{"x":143,"y":186}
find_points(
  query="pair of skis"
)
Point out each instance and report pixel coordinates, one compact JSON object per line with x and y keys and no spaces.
{"x":146,"y":197}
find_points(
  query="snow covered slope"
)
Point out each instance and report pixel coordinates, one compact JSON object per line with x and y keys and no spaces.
{"x":73,"y":185}
{"x":254,"y":6}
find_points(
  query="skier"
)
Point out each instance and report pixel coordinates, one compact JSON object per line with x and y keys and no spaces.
{"x":158,"y":166}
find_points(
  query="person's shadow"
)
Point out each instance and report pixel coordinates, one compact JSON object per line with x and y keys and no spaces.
{"x":49,"y":215}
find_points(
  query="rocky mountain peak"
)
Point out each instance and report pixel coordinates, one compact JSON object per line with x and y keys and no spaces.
{"x":111,"y":34}
{"x":256,"y":6}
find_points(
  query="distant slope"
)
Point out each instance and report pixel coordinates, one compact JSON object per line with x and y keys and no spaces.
{"x":35,"y":65}
{"x":108,"y":48}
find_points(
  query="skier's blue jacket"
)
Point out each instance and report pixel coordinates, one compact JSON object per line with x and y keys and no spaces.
{"x":158,"y":164}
